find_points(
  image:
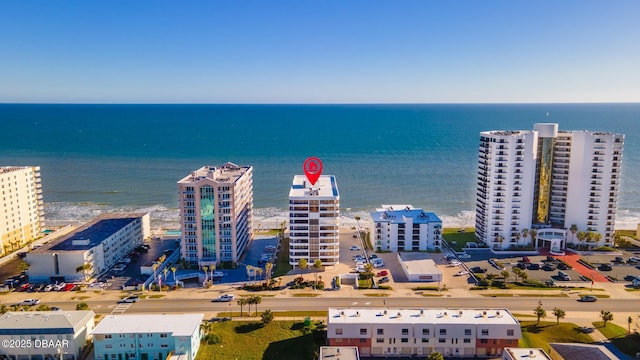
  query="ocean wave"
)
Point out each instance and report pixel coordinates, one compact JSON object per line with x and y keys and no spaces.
{"x":163,"y":217}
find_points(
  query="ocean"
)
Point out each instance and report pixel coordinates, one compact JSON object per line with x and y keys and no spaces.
{"x":98,"y":158}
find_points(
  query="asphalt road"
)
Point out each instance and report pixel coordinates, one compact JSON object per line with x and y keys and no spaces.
{"x":514,"y":304}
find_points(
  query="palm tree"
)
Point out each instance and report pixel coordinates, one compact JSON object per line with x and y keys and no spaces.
{"x":597,"y":237}
{"x":606,"y":316}
{"x":629,"y":321}
{"x":317,"y":265}
{"x":259,"y":272}
{"x":534,"y":235}
{"x":242,"y":301}
{"x":516,"y":271}
{"x":155,"y":274}
{"x":86,"y":268}
{"x":164,"y":272}
{"x":23,"y":266}
{"x":173,"y":270}
{"x":206,"y":274}
{"x":523,"y":275}
{"x":539,"y":312}
{"x":518,"y":238}
{"x":268,"y":267}
{"x":559,"y":314}
{"x":256,"y":301}
{"x":582,"y":236}
{"x":574,"y":229}
{"x":525,"y":234}
{"x":303,"y":265}
{"x":505,"y":274}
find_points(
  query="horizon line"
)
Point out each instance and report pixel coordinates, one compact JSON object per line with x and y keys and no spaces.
{"x":321,"y":103}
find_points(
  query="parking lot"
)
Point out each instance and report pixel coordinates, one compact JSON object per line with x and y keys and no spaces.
{"x":549,"y":270}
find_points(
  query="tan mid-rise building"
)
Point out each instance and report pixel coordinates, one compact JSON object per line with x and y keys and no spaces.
{"x":21,"y":206}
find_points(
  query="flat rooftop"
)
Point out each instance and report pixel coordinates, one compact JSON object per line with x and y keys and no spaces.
{"x":226,"y":173}
{"x":527,"y":353}
{"x":44,"y":322}
{"x":177,"y":325}
{"x":326,"y":187}
{"x":398,"y":214}
{"x":339,"y":353}
{"x":92,"y":233}
{"x":420,"y":316}
{"x":415,"y":265}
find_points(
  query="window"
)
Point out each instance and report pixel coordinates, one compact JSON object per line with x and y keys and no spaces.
{"x":107,"y":336}
{"x":485,"y":332}
{"x":404,"y":340}
{"x":425,"y":331}
{"x":509,"y":332}
{"x":363,"y":331}
{"x":164,"y":346}
{"x":363,"y":340}
{"x":443,"y":331}
{"x":467,"y":331}
{"x":425,"y":340}
{"x":380,"y":331}
{"x":484,"y":341}
{"x":380,"y":340}
{"x":442,"y":340}
{"x":405,"y":331}
{"x":467,"y":341}
{"x":108,"y":346}
{"x":339,"y":331}
{"x":163,"y":335}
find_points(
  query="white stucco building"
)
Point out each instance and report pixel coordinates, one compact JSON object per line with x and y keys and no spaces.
{"x":45,"y":335}
{"x":216,"y":204}
{"x":396,"y":332}
{"x":404,"y":228}
{"x":101,"y":243}
{"x":147,"y":337}
{"x":546,"y":178}
{"x":21,"y":206}
{"x":314,"y":212}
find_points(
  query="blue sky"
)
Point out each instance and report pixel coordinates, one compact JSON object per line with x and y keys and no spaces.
{"x":319,"y":51}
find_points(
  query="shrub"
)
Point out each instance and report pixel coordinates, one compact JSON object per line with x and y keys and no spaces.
{"x":82,"y":306}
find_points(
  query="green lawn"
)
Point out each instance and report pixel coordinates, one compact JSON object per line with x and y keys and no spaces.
{"x":627,"y":343}
{"x":282,"y":262}
{"x":458,"y":240}
{"x":248,"y":340}
{"x":547,"y":332}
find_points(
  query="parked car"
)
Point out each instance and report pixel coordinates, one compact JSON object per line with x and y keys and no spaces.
{"x":633,"y":260}
{"x":30,"y":302}
{"x":373,"y":256}
{"x":588,"y":298}
{"x":548,"y":267}
{"x":563,"y":266}
{"x":478,"y":270}
{"x":462,"y":273}
{"x":383,"y":273}
{"x":355,"y":248}
{"x":525,"y":259}
{"x":455,"y":263}
{"x":55,"y":308}
{"x":618,"y":260}
{"x":464,"y":256}
{"x":533,"y":266}
{"x":605,"y":267}
{"x":129,"y":299}
{"x":521,"y":265}
{"x":225,"y":298}
{"x":383,"y":280}
{"x":378,"y":265}
{"x":564,"y":276}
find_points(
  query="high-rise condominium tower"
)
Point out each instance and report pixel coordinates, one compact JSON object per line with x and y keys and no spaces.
{"x":314,"y":212}
{"x":21,"y":206}
{"x":531,"y":181}
{"x":216,"y":205}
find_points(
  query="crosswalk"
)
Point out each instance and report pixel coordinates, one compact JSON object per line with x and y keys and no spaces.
{"x":120,"y":308}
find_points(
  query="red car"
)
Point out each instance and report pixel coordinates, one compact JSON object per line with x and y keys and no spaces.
{"x":383,"y":273}
{"x":68,"y":287}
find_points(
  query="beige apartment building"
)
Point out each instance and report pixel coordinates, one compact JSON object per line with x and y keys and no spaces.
{"x":21,"y":207}
{"x":216,"y":204}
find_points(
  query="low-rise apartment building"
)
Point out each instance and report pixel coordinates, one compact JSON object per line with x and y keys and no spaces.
{"x":147,"y":337}
{"x":45,"y":335}
{"x":99,"y":245}
{"x":419,"y":332}
{"x":405,"y":228}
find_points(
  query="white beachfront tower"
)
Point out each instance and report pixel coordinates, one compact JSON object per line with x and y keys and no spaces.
{"x":547,"y":180}
{"x":404,"y":228}
{"x":314,"y":212}
{"x":216,"y":204}
{"x":21,"y":206}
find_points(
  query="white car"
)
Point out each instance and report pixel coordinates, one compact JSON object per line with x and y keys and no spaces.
{"x":30,"y":302}
{"x":462,"y":273}
{"x":225,"y":298}
{"x":378,"y":264}
{"x":464,"y":256}
{"x":455,"y":263}
{"x":355,"y":248}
